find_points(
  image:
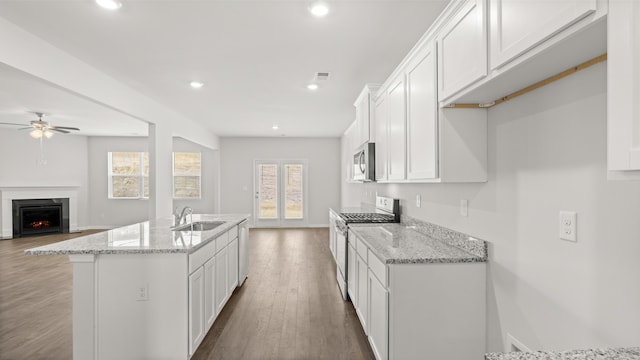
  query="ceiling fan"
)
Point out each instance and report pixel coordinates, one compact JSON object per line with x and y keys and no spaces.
{"x":42,"y":128}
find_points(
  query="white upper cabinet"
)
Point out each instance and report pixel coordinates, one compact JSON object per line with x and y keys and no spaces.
{"x":623,"y":86}
{"x":364,"y":112}
{"x":519,"y":25}
{"x":381,"y":137}
{"x":422,"y":116}
{"x":462,"y":48}
{"x":396,"y":136}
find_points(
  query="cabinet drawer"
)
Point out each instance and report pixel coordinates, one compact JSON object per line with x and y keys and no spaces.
{"x":378,"y":268}
{"x":361,"y":249}
{"x":222,"y":241}
{"x":233,"y":233}
{"x":199,"y":257}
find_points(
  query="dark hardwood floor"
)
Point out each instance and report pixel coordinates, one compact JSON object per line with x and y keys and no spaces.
{"x":289,"y":307}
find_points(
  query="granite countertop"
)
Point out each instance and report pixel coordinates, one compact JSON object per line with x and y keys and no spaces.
{"x":149,"y":237}
{"x":593,"y":354}
{"x":400,"y":244}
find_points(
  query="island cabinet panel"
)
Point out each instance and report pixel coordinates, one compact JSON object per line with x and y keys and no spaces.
{"x":462,"y":48}
{"x":209,"y":292}
{"x":128,"y":327}
{"x":517,"y":26}
{"x":232,"y":275}
{"x":222,"y":290}
{"x":196,"y":309}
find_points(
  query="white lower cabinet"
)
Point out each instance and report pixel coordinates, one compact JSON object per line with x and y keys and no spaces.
{"x":409,"y":310}
{"x":196,"y":309}
{"x":378,"y":318}
{"x":213,"y":278}
{"x":209,"y":292}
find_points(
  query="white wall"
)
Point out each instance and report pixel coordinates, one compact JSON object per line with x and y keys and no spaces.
{"x":105,"y":212}
{"x":236,"y":171}
{"x":547,"y":153}
{"x":66,"y":157}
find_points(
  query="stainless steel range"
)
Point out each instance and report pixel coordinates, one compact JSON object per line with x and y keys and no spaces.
{"x":387,"y":210}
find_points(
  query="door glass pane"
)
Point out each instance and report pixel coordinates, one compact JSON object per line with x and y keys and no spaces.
{"x":268,"y":191}
{"x":293,"y":191}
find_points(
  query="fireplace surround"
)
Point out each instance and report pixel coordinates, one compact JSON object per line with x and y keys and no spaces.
{"x":40,"y":216}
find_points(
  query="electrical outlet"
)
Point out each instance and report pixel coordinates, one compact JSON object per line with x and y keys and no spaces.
{"x":418,"y":200}
{"x":567,"y":226}
{"x":142,"y":292}
{"x":464,"y":207}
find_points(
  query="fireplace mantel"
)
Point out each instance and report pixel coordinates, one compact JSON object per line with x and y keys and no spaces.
{"x":10,"y":193}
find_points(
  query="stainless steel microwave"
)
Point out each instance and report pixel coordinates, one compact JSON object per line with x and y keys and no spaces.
{"x":364,"y":163}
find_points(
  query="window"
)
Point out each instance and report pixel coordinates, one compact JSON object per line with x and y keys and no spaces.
{"x":128,"y":175}
{"x":187,"y":168}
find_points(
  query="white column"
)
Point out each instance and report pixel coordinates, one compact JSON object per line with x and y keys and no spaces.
{"x":160,"y":171}
{"x":84,"y":307}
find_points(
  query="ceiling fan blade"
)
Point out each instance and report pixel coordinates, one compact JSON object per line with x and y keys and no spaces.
{"x":58,"y":130}
{"x":26,"y":128}
{"x":64,"y":128}
{"x":14,"y":124}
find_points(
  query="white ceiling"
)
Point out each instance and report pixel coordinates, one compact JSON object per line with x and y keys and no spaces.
{"x":255,"y":57}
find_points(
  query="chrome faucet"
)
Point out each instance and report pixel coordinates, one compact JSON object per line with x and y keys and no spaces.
{"x":181,"y":216}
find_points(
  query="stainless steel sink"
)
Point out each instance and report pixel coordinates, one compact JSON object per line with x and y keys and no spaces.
{"x":199,"y":226}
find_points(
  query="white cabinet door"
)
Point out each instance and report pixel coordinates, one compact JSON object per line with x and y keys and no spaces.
{"x":221,"y":279}
{"x":378,"y":318}
{"x":352,"y":280}
{"x":519,"y":25}
{"x":362,"y":296}
{"x":362,"y":120}
{"x":422,"y":116}
{"x":462,"y":49}
{"x":396,"y":117}
{"x":196,"y":309}
{"x":209,"y":292}
{"x":623,"y":86}
{"x":380,"y":120}
{"x":232,"y":280}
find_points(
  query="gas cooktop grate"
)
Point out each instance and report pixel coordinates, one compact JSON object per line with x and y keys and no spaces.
{"x":367,"y":218}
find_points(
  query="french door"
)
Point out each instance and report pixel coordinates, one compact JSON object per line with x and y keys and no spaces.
{"x":280,"y":193}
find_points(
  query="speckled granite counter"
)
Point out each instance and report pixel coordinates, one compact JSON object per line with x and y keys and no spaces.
{"x":593,"y":354}
{"x":401,"y":244}
{"x":149,"y":237}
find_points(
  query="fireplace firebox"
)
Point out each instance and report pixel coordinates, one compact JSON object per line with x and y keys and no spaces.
{"x":40,"y":216}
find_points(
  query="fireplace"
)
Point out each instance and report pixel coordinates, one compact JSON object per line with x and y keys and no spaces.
{"x":40,"y":216}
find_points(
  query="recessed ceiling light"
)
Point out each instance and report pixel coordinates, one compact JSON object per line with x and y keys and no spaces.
{"x":109,"y":4}
{"x":196,"y":84}
{"x":319,"y":9}
{"x":312,"y":86}
{"x":275,"y":127}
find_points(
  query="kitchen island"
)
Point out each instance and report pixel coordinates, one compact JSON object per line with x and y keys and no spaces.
{"x":144,"y":291}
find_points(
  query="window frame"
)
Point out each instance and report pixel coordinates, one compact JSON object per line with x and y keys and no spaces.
{"x":141,"y":176}
{"x":174,"y":175}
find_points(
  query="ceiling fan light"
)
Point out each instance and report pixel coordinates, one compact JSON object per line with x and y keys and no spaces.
{"x":110,"y":4}
{"x":48,"y":134}
{"x":36,"y":134}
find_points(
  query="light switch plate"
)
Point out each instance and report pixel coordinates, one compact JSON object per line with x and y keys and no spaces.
{"x":567,"y":226}
{"x":418,"y":200}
